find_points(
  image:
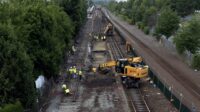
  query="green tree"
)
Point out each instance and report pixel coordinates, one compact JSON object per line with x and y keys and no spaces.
{"x":183,"y":7}
{"x":196,"y":61}
{"x":34,"y":37}
{"x":17,"y":107}
{"x":139,"y":13}
{"x":161,"y":3}
{"x":188,"y":37}
{"x":16,"y":68}
{"x":112,"y":6}
{"x":168,"y":22}
{"x":149,"y":17}
{"x":76,"y":9}
{"x":197,"y":4}
{"x":46,"y":31}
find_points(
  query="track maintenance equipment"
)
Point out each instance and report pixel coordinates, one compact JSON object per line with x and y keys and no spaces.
{"x":109,"y":30}
{"x":131,"y":70}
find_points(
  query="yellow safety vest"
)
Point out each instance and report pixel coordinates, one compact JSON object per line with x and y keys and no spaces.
{"x":80,"y":73}
{"x":94,"y":69}
{"x":74,"y":70}
{"x":70,"y":70}
{"x":67,"y":91}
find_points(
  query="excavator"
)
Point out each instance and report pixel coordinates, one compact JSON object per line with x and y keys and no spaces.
{"x":109,"y":30}
{"x":131,"y":70}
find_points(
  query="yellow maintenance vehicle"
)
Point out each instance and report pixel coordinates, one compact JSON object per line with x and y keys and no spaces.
{"x":109,"y":30}
{"x":131,"y":70}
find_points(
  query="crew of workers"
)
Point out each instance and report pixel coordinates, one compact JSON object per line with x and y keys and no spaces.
{"x":73,"y":72}
{"x":66,"y":90}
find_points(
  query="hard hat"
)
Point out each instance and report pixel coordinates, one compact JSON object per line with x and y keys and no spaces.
{"x":64,"y":86}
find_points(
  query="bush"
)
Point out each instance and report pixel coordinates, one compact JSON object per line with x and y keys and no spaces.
{"x":196,"y":61}
{"x":133,"y":21}
{"x":157,"y":35}
{"x":140,"y":25}
{"x":146,"y":30}
{"x":187,"y":38}
{"x":17,"y":107}
{"x":168,"y":22}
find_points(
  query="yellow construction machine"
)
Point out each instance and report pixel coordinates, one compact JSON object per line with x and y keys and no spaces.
{"x":131,"y":70}
{"x":114,"y":63}
{"x":109,"y":30}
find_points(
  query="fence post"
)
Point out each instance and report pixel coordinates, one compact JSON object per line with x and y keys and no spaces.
{"x":181,"y":95}
{"x":170,"y":89}
{"x":193,"y":108}
{"x":164,"y":86}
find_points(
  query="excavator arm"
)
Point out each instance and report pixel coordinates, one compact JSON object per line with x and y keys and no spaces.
{"x":109,"y":29}
{"x":114,"y":63}
{"x":131,"y":70}
{"x":107,"y":64}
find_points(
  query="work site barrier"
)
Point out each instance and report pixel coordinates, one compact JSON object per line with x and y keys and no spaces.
{"x":167,"y":91}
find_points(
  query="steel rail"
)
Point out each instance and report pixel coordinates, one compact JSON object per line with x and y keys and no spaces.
{"x":135,"y":97}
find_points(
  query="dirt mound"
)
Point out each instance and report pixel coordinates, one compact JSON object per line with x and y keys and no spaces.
{"x":100,"y":81}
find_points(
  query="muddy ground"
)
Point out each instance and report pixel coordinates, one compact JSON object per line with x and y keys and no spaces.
{"x":95,"y":92}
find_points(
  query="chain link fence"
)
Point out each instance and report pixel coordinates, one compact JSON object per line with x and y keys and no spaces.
{"x":170,"y":91}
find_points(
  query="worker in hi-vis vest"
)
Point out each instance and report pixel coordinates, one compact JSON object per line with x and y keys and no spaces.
{"x":70,"y":72}
{"x":66,"y":90}
{"x":74,"y":72}
{"x":80,"y":74}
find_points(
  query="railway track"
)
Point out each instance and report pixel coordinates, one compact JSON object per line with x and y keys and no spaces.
{"x":191,"y":87}
{"x":138,"y":102}
{"x":115,"y":49}
{"x":75,"y":93}
{"x":134,"y":95}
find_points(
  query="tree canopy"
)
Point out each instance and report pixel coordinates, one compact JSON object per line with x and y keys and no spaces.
{"x":46,"y":31}
{"x":16,"y":78}
{"x":34,"y":36}
{"x":188,"y":37}
{"x":183,"y":7}
{"x":145,"y":13}
{"x":76,"y":9}
{"x":168,"y":22}
{"x":196,"y":61}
